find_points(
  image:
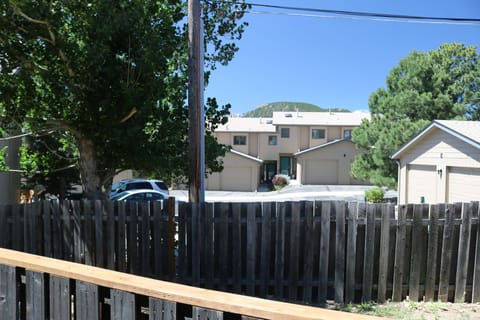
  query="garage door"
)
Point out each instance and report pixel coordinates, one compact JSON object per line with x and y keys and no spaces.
{"x":321,"y":172}
{"x":421,"y":182}
{"x":463,"y":184}
{"x":236,"y":179}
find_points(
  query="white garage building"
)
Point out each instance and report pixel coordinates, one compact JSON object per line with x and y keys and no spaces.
{"x":441,"y":164}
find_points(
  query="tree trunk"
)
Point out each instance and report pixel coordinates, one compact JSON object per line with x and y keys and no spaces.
{"x":88,"y":169}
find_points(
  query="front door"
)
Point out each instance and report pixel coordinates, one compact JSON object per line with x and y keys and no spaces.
{"x":285,"y":165}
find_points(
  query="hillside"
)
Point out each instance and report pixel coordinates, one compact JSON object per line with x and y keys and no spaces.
{"x":266,"y":110}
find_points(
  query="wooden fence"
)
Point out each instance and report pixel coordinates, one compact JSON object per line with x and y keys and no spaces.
{"x":305,"y":252}
{"x":38,"y":288}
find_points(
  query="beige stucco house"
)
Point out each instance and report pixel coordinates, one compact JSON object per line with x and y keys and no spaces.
{"x":311,"y":147}
{"x":441,"y":164}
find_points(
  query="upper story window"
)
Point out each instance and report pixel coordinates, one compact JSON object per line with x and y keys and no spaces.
{"x":318,"y":133}
{"x":285,"y":132}
{"x":272,"y":140}
{"x":239,"y":140}
{"x":347,"y":134}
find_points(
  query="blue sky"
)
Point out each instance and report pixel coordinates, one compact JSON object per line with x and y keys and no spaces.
{"x":331,"y":62}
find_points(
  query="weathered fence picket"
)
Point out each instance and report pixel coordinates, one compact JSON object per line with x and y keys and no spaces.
{"x":305,"y":251}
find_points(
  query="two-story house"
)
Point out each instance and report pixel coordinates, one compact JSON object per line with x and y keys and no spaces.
{"x":311,"y":147}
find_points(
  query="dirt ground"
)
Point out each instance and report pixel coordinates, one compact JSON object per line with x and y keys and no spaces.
{"x":419,"y":310}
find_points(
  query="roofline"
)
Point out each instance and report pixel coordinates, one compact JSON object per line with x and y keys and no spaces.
{"x":321,"y":146}
{"x":241,"y":154}
{"x":440,"y":126}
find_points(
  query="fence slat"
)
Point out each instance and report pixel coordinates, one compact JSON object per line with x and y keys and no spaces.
{"x":387,"y":213}
{"x":339,"y":281}
{"x":8,"y":292}
{"x":122,"y":305}
{"x":35,"y":295}
{"x":60,"y":304}
{"x":99,"y":254}
{"x":210,"y":222}
{"x":161,"y":309}
{"x":279,"y":249}
{"x":86,"y":303}
{"x":463,"y":250}
{"x":325,"y":218}
{"x":47,"y":228}
{"x":351,"y":252}
{"x":145,"y":239}
{"x":476,"y":268}
{"x":206,"y":314}
{"x":122,"y":236}
{"x":397,"y":293}
{"x":446,"y":258}
{"x":109,"y":234}
{"x":224,"y":252}
{"x":432,"y":250}
{"x":237,"y":246}
{"x":369,"y":253}
{"x":308,"y":232}
{"x":251,"y":247}
{"x":266,"y":251}
{"x":415,"y":264}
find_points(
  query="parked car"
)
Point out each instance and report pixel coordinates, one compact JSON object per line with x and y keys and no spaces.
{"x":140,"y":195}
{"x":136,"y":184}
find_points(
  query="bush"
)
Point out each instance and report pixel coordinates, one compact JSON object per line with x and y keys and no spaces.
{"x":374,"y":195}
{"x":280,"y":180}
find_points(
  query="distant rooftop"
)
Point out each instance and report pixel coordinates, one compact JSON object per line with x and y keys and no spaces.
{"x":320,"y":118}
{"x":247,"y":125}
{"x":345,"y":119}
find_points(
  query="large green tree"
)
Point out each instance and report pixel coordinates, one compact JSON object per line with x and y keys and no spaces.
{"x":438,"y":84}
{"x":111,"y":74}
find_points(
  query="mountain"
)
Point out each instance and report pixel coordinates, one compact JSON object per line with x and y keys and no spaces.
{"x":266,"y":110}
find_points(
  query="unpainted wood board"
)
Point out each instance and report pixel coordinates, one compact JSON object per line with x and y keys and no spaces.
{"x":463,"y":253}
{"x":60,"y":303}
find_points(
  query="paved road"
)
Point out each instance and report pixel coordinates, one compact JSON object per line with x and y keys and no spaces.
{"x":289,"y":193}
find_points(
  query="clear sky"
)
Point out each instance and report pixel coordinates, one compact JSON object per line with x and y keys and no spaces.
{"x":331,"y":62}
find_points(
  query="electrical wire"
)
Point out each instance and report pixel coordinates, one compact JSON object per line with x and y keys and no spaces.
{"x":352,"y":15}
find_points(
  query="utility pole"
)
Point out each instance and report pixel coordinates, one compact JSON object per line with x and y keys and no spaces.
{"x":196,"y":131}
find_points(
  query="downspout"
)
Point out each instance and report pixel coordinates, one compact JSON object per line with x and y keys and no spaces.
{"x":398,"y":179}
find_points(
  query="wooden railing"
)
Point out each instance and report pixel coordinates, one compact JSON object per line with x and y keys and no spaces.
{"x":34,"y":288}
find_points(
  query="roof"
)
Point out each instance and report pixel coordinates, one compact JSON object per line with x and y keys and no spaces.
{"x":325,"y":145}
{"x":243,"y":155}
{"x":320,"y":118}
{"x":467,"y":131}
{"x":247,"y":125}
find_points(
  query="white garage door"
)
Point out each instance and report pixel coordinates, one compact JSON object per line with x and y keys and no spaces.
{"x":463,"y":184}
{"x":421,"y":184}
{"x":236,"y":179}
{"x":321,"y":172}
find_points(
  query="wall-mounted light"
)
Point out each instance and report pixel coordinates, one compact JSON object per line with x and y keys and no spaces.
{"x":439,"y":171}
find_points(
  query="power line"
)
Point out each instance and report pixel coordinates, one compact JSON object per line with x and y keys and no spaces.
{"x":354,"y":15}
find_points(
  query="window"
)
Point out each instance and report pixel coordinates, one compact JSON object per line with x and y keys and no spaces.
{"x":318,"y":133}
{"x":285,"y":132}
{"x":272,"y":140}
{"x":347,"y":134}
{"x":239,"y":140}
